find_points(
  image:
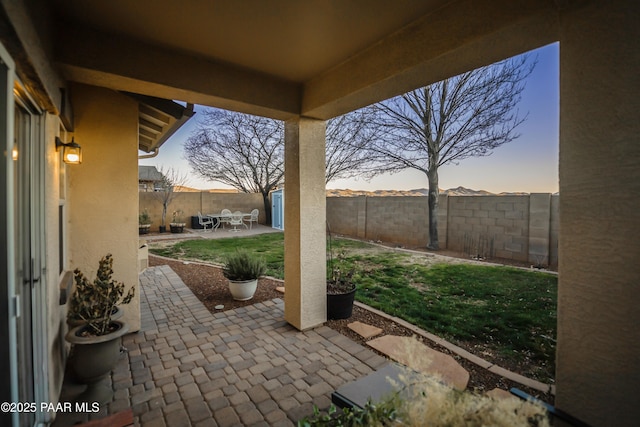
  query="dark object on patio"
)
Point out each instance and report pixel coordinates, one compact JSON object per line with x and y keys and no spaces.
{"x":195,"y":222}
{"x":340,"y":306}
{"x":162,"y":229}
{"x":341,"y":291}
{"x":374,"y":387}
{"x":552,"y":410}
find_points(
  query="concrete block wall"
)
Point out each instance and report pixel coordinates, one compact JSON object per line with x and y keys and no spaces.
{"x":347,"y":215}
{"x":554,"y":229}
{"x":402,"y":220}
{"x":397,"y":219}
{"x":206,"y":203}
{"x":499,"y":222}
{"x":523,"y":228}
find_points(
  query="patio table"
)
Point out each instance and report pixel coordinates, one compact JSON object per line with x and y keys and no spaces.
{"x":218,"y":218}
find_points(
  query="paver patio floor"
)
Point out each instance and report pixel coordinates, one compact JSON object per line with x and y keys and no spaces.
{"x":242,"y":367}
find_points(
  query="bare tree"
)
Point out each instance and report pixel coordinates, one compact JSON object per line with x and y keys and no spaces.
{"x":240,"y":150}
{"x":348,"y":138}
{"x":446,"y":122}
{"x":247,"y":152}
{"x":171,"y":180}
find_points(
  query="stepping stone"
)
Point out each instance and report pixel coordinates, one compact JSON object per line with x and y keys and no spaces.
{"x":417,"y":356}
{"x":280,"y":289}
{"x":364,"y":330}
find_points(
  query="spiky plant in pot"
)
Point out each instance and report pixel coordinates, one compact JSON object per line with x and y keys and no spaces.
{"x":94,"y":302}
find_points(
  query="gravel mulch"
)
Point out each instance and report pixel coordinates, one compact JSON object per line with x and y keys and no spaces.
{"x":210,"y":286}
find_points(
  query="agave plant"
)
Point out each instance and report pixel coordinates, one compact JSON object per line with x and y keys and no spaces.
{"x":94,"y":302}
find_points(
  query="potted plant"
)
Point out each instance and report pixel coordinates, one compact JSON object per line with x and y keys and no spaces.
{"x":96,"y":341}
{"x":242,"y":269}
{"x":341,"y":291}
{"x":177,"y":224}
{"x":144,"y":222}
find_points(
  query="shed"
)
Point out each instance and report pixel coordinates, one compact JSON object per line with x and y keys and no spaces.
{"x":277,"y":209}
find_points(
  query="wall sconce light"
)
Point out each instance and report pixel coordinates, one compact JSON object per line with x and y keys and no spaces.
{"x":71,"y":151}
{"x":14,"y":152}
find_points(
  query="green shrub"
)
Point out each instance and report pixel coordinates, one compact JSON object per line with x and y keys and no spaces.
{"x":241,"y":265}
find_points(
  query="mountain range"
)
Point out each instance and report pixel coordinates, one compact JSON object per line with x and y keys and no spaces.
{"x":459,"y":191}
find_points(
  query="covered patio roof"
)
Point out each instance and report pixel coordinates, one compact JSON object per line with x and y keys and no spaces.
{"x":286,"y":58}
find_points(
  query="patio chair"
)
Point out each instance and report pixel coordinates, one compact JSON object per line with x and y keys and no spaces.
{"x":236,"y":220}
{"x":204,"y":221}
{"x":254,"y":218}
{"x":225,"y":217}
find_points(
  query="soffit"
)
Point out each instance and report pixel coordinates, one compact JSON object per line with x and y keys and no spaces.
{"x":158,"y":119}
{"x":288,"y":39}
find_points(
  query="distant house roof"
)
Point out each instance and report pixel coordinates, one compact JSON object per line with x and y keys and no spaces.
{"x":149,"y":174}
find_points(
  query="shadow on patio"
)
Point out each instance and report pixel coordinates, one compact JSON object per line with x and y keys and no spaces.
{"x":247,"y":366}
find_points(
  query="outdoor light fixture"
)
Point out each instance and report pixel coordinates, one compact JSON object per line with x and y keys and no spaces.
{"x":71,"y":151}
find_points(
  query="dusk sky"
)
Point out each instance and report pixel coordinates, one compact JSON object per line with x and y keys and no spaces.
{"x":527,"y":164}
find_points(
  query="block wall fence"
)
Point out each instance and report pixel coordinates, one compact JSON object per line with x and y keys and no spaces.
{"x":207,"y":203}
{"x":522,"y":227}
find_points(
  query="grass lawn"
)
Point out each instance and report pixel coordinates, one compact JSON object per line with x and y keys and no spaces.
{"x":506,"y":310}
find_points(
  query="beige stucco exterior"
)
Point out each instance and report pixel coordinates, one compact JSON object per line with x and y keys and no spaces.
{"x":599,"y":291}
{"x":305,"y":218}
{"x":103,"y":190}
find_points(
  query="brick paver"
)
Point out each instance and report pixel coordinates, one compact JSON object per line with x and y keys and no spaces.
{"x":189,"y":367}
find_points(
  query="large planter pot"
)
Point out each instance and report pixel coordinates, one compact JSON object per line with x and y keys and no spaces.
{"x":93,"y":358}
{"x":243,"y":290}
{"x":144,"y":228}
{"x":177,"y":227}
{"x":340,"y":306}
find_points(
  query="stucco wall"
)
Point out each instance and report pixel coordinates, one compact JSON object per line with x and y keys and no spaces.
{"x":598,"y":353}
{"x":206,"y":203}
{"x":103,"y":190}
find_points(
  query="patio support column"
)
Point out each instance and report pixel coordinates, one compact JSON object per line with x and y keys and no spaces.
{"x":305,"y":301}
{"x":598,"y":352}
